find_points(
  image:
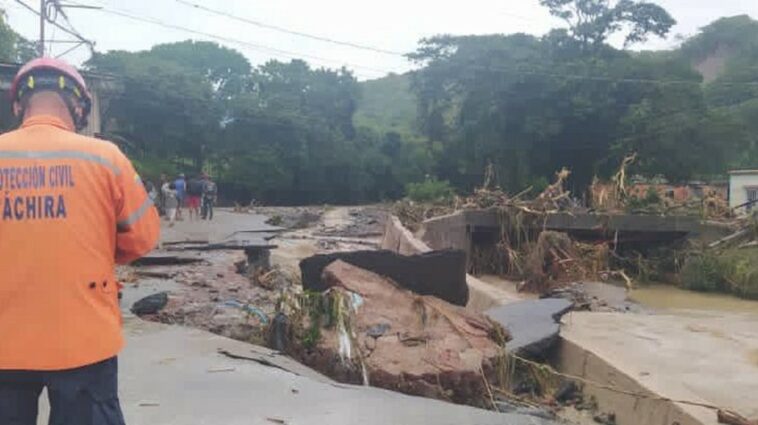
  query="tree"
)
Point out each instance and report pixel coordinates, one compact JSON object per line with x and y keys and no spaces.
{"x":227,"y":70}
{"x":533,"y":105}
{"x":302,"y":118}
{"x":166,"y":108}
{"x":13,"y":47}
{"x":591,"y":22}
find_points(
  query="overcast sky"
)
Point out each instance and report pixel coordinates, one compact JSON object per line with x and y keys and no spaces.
{"x":393,"y":25}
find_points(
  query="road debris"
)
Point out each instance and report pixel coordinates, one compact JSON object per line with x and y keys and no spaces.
{"x":221,"y":369}
{"x":532,"y":324}
{"x":158,"y":259}
{"x":151,"y":304}
{"x":438,"y":273}
{"x":732,"y":418}
{"x":366,"y":329}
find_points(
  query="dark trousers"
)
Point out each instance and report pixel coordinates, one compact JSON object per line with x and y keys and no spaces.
{"x":84,"y":396}
{"x":206,"y":211}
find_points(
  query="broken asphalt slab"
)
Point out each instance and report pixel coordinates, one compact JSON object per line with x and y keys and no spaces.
{"x":438,"y":273}
{"x":163,"y":259}
{"x":172,"y":375}
{"x":224,"y":225}
{"x":534,"y":324}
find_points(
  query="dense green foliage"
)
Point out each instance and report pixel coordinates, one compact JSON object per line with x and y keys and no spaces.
{"x":289,"y":133}
{"x":532,"y":105}
{"x":388,"y":103}
{"x":734,"y":271}
{"x":280,"y":133}
{"x":430,"y":190}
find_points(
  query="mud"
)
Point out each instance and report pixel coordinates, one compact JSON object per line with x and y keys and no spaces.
{"x":291,"y":218}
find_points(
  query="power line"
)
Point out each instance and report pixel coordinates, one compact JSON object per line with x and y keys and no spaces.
{"x":68,"y":31}
{"x":250,"y":45}
{"x":289,"y":31}
{"x":290,"y":54}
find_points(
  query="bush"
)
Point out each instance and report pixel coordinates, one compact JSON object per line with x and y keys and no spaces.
{"x":431,"y":190}
{"x":742,"y":272}
{"x":705,"y":273}
{"x":734,"y":271}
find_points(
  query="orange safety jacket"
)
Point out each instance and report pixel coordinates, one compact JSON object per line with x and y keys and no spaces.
{"x":71,"y":207}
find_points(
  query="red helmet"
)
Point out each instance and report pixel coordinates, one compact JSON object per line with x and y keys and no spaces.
{"x":65,"y":78}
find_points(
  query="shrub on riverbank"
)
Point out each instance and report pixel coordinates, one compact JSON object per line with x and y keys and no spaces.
{"x":732,"y":271}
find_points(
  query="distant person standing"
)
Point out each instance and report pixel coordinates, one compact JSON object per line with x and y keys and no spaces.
{"x":171,"y":201}
{"x":194,"y":193}
{"x":180,"y":185}
{"x":161,"y":200}
{"x":209,"y":197}
{"x":152,"y":192}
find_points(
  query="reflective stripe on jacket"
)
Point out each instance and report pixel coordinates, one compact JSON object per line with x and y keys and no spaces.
{"x":71,"y":208}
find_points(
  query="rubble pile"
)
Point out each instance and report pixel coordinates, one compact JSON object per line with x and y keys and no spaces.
{"x":369,"y":330}
{"x":542,"y":259}
{"x":412,"y":214}
{"x":363,"y":222}
{"x":554,"y":257}
{"x":291,"y":218}
{"x":612,"y":196}
{"x":222,"y":294}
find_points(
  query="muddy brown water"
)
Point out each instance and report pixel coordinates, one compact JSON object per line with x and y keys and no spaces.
{"x":668,"y":297}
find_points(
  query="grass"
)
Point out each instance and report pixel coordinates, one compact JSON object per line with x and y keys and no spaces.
{"x":430,"y":190}
{"x":734,"y":271}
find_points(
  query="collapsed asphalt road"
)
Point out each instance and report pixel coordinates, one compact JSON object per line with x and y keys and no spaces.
{"x":177,"y":375}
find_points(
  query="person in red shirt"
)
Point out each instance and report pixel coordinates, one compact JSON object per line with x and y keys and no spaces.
{"x":194,"y":193}
{"x":73,"y":207}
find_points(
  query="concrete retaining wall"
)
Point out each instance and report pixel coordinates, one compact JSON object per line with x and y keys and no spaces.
{"x":399,"y":239}
{"x":629,"y":409}
{"x":448,"y":231}
{"x":482,"y":296}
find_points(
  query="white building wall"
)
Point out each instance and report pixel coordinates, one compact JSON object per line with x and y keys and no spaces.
{"x":739,"y":184}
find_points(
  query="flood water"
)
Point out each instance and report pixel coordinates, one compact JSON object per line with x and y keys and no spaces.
{"x":666,"y":297}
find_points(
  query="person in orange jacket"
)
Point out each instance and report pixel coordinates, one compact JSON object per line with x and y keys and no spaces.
{"x":72,"y":207}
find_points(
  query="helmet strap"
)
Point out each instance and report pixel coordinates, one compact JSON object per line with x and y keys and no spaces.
{"x":80,"y":122}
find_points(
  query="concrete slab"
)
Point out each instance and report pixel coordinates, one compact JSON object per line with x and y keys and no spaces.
{"x":564,"y":221}
{"x":175,"y":376}
{"x":482,"y":296}
{"x":171,"y":375}
{"x":534,"y":324}
{"x":700,"y":356}
{"x":223,"y":226}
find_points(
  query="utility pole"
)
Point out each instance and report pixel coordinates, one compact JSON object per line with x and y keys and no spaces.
{"x":42,"y":18}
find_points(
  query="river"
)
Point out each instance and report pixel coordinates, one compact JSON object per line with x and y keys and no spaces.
{"x":669,"y":297}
